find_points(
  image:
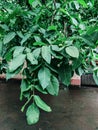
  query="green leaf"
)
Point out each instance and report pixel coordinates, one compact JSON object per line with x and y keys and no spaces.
{"x":53,"y":87}
{"x":36,"y":53}
{"x":27,"y":50}
{"x":32,"y":114}
{"x":16,"y":62}
{"x":76,"y":63}
{"x":25,"y":86}
{"x":65,"y":74}
{"x":93,"y":2}
{"x":9,"y":54}
{"x":94,"y":37}
{"x":32,"y":59}
{"x":19,"y":33}
{"x":36,"y":3}
{"x":9,"y":37}
{"x":72,"y":51}
{"x":31,"y":1}
{"x":1,"y":46}
{"x":82,"y":26}
{"x":37,"y":38}
{"x":10,"y":75}
{"x":18,"y":50}
{"x":64,"y":11}
{"x":41,"y":104}
{"x":39,"y":43}
{"x":25,"y":38}
{"x":55,"y":48}
{"x":92,"y":29}
{"x":56,"y":55}
{"x":46,"y":54}
{"x":34,"y":67}
{"x":51,"y":68}
{"x":52,"y":28}
{"x":83,"y":3}
{"x":44,"y":76}
{"x":5,"y":27}
{"x":39,"y":88}
{"x":76,"y":5}
{"x":74,"y":21}
{"x":87,"y":40}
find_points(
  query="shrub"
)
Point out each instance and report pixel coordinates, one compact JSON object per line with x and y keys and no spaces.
{"x":47,"y":41}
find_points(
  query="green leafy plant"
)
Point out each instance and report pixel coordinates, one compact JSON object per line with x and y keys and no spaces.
{"x":47,"y":41}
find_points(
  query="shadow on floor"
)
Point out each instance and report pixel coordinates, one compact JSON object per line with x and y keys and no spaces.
{"x":73,"y":109}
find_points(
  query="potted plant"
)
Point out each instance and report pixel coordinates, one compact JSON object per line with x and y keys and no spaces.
{"x":45,"y":41}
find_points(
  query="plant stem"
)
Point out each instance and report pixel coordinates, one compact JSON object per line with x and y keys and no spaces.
{"x":22,"y":109}
{"x":54,"y":1}
{"x":54,"y":13}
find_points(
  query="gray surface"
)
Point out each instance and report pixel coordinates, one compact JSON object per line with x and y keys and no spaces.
{"x":87,"y":79}
{"x":75,"y":109}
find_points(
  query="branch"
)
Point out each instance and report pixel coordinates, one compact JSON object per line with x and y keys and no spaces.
{"x":54,"y":2}
{"x":54,"y":13}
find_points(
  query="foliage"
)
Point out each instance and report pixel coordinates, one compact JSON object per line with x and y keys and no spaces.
{"x":47,"y":41}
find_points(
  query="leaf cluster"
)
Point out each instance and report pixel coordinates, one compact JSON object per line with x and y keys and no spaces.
{"x":47,"y":41}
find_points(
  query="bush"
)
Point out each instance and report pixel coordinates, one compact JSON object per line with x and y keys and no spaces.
{"x":47,"y":41}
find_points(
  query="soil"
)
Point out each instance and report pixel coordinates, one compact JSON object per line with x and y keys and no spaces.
{"x":73,"y":109}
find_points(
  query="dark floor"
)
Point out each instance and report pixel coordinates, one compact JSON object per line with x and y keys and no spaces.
{"x":74,"y":109}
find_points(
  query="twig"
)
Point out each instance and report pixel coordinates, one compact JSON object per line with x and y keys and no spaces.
{"x":54,"y":13}
{"x":54,"y":2}
{"x":65,"y":29}
{"x":22,"y":109}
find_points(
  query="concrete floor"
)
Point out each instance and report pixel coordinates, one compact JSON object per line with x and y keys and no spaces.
{"x":74,"y":109}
